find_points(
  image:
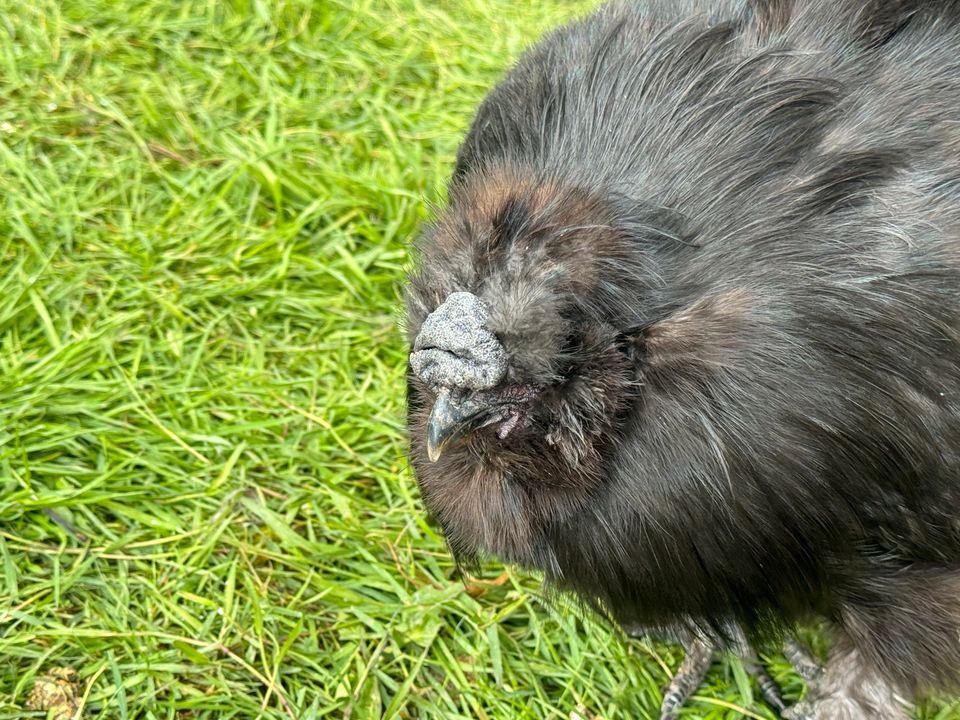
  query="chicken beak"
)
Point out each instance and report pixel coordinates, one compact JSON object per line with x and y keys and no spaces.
{"x":451,"y":417}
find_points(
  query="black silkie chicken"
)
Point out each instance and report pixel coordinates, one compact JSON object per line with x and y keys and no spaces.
{"x":686,"y":337}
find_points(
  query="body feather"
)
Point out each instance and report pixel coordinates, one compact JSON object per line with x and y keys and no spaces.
{"x":724,"y":238}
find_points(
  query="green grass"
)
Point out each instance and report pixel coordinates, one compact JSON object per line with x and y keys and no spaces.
{"x":205,"y":510}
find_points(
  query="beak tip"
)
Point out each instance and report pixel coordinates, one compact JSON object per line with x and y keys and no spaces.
{"x":435,"y":444}
{"x":442,"y":425}
{"x":452,"y":416}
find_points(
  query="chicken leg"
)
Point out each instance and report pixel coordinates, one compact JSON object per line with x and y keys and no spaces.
{"x":699,"y":654}
{"x":847,"y":688}
{"x":700,"y":651}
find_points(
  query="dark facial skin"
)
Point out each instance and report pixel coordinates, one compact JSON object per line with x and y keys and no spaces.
{"x":718,"y":251}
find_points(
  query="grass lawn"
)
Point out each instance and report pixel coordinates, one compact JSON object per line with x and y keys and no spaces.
{"x":205,"y":510}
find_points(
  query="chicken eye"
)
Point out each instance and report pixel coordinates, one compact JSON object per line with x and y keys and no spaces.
{"x":572,"y":343}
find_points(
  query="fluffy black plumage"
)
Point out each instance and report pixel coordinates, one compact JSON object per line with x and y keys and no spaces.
{"x":720,"y":245}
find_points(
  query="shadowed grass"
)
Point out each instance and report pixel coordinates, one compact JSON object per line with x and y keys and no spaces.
{"x":205,"y":509}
